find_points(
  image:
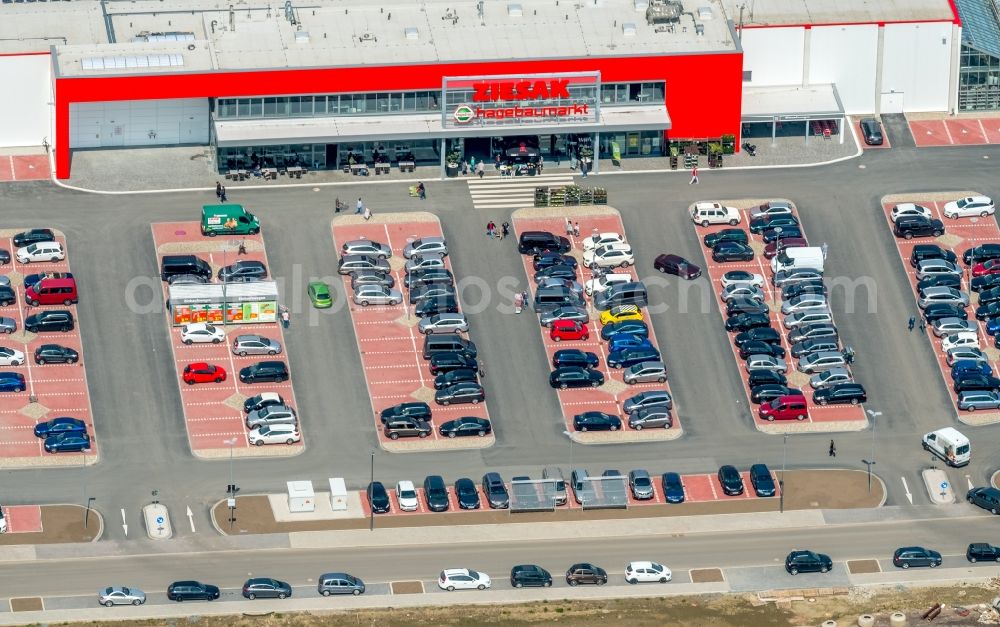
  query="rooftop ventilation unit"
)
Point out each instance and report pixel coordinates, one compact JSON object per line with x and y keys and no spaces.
{"x":640,"y":5}
{"x":704,"y":13}
{"x":122,"y":63}
{"x":664,"y":12}
{"x":301,"y":37}
{"x":146,"y":36}
{"x":514,"y":10}
{"x":628,"y":29}
{"x":411,"y":33}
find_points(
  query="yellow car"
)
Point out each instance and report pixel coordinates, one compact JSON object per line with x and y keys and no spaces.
{"x":621,"y":313}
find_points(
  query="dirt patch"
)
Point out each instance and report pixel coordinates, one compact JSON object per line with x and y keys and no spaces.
{"x":407,"y":587}
{"x":858,"y":567}
{"x":26,"y":604}
{"x":707,"y":575}
{"x":60,"y":523}
{"x":813,"y":489}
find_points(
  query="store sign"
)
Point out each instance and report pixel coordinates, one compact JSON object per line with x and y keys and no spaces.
{"x":521,"y":100}
{"x":493,"y":91}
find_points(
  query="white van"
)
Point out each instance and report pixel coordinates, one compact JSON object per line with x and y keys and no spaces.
{"x":798,"y":257}
{"x":950,"y":445}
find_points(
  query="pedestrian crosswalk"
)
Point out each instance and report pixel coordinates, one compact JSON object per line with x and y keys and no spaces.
{"x":512,"y":193}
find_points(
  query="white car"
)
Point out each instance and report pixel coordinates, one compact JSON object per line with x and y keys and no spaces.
{"x":11,"y":357}
{"x":909,"y":210}
{"x":593,"y":242}
{"x":406,"y":494}
{"x":946,"y":326}
{"x":705,"y":213}
{"x":274,"y":434}
{"x":646,"y":572}
{"x":463,"y":579}
{"x":41,"y":251}
{"x":609,"y":256}
{"x":376,"y":294}
{"x":964,"y":339}
{"x":742,"y":277}
{"x":601,"y":283}
{"x":201,"y":333}
{"x":969,"y":206}
{"x":742,"y":290}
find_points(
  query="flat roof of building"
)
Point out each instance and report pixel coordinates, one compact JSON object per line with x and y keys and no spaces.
{"x":348,"y":33}
{"x":814,"y":12}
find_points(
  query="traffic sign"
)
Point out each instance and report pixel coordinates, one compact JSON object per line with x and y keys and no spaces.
{"x":159,"y":520}
{"x":944,"y":485}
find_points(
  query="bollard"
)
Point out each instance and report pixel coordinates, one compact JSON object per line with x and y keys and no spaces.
{"x":866,"y":620}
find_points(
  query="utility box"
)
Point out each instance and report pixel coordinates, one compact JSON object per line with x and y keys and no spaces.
{"x":301,"y":498}
{"x":338,"y":494}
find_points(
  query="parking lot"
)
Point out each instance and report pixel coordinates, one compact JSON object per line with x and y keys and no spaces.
{"x":830,"y":418}
{"x":389,"y":341}
{"x":23,"y":518}
{"x":960,"y":234}
{"x":955,"y":131}
{"x":53,"y":390}
{"x":213,"y":412}
{"x":610,"y":396}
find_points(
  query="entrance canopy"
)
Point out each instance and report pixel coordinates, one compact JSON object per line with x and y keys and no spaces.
{"x":356,"y":128}
{"x":788,"y":103}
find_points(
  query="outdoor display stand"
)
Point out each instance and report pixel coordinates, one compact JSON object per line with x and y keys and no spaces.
{"x":569,"y":196}
{"x":244,"y":303}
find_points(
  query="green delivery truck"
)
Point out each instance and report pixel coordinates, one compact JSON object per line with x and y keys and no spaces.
{"x":228,"y":220}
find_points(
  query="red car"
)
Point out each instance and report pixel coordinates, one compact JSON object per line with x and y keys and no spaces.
{"x":200,"y":372}
{"x":568,"y":330}
{"x":987,"y":267}
{"x":787,"y":407}
{"x":771,"y":250}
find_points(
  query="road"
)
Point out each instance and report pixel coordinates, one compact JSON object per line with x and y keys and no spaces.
{"x":136,"y":402}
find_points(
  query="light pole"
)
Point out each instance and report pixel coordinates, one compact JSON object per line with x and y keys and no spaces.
{"x":231,"y":489}
{"x":225,"y":282}
{"x":873,"y":415}
{"x":781,"y":480}
{"x":371,"y":522}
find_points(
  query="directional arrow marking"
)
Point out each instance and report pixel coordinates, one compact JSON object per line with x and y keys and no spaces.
{"x":124,"y":524}
{"x":190,"y":516}
{"x":968,"y":480}
{"x":909,"y":495}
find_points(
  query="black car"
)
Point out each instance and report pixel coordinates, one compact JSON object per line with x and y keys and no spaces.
{"x":762,"y":481}
{"x":378,"y":497}
{"x":446,"y":362}
{"x":760,"y":376}
{"x":987,"y":311}
{"x":726,"y":235}
{"x":746,"y":321}
{"x":770,"y":391}
{"x":732,"y":251}
{"x":495,"y":491}
{"x":809,"y":286}
{"x":930,"y":251}
{"x":871,"y":131}
{"x":943,"y":280}
{"x":428,"y":276}
{"x":978,"y":254}
{"x":745,"y":306}
{"x":467,"y":425}
{"x":55,"y":354}
{"x":436,"y":493}
{"x":807,"y":562}
{"x":759,"y":225}
{"x":431,"y":291}
{"x":757,"y":347}
{"x":574,"y":357}
{"x":413,"y":409}
{"x":266,"y":588}
{"x":676,"y":265}
{"x":433,"y":306}
{"x":786,"y":232}
{"x":841,"y":393}
{"x":767,"y":335}
{"x":260,"y":401}
{"x":627,"y":327}
{"x":987,"y":498}
{"x":575,"y":377}
{"x":464,"y":392}
{"x":918,"y":226}
{"x":530,"y":575}
{"x":265,"y":372}
{"x":586,"y":573}
{"x":242,"y":270}
{"x":7,"y":296}
{"x":559,"y":271}
{"x":455,"y":376}
{"x":192,"y":591}
{"x":631,"y":356}
{"x":547,"y":260}
{"x":982,"y":552}
{"x":538,"y":242}
{"x":4,"y":257}
{"x":989,"y":296}
{"x":731,"y":480}
{"x":55,"y":320}
{"x":907,"y":556}
{"x":63,"y":424}
{"x":936,"y":311}
{"x":466,"y":494}
{"x":33,"y":237}
{"x":815,"y":345}
{"x":811,"y":331}
{"x":981,"y":283}
{"x":976,"y":382}
{"x":596,"y":421}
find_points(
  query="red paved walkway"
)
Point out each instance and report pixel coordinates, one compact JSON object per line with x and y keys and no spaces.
{"x":761,"y":265}
{"x":955,"y":131}
{"x":607,"y":398}
{"x":24,"y":168}
{"x":23,"y":518}
{"x":213,"y":411}
{"x":389,"y":341}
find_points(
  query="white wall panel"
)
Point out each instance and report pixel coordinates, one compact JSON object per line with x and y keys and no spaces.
{"x":25,"y":112}
{"x":139,"y":123}
{"x":917,"y":62}
{"x":845,"y":55}
{"x":773,"y":55}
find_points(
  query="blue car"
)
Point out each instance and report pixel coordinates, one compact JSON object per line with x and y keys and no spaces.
{"x":627,"y":327}
{"x":60,"y":425}
{"x":624,"y":341}
{"x":12,"y":382}
{"x":673,"y":489}
{"x":67,"y":443}
{"x":966,"y":366}
{"x":993,"y":325}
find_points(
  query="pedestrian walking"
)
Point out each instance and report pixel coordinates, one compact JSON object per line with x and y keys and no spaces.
{"x":583,"y":168}
{"x":242,"y":250}
{"x":909,"y":324}
{"x":848,"y":355}
{"x":505,"y":229}
{"x":825,"y":248}
{"x":576,"y":229}
{"x":833,"y":449}
{"x":222,"y":197}
{"x":285,"y":317}
{"x":472,"y":163}
{"x":218,"y":190}
{"x":694,"y":176}
{"x":569,"y":227}
{"x":923,"y":326}
{"x":541,"y":163}
{"x":421,"y":191}
{"x":490,"y":229}
{"x":497,"y":163}
{"x":368,"y":214}
{"x":481,"y":169}
{"x":361,"y":207}
{"x":337,"y":206}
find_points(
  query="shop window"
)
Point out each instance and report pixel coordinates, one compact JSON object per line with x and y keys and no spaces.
{"x":243,"y":108}
{"x":383,"y":102}
{"x":270,"y":107}
{"x":227,"y":108}
{"x":319,"y":105}
{"x":256,"y":107}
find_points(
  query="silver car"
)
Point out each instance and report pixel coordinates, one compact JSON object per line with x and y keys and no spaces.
{"x":823,"y":360}
{"x":120,"y":595}
{"x":795,"y":275}
{"x":566,"y":312}
{"x":372,"y":276}
{"x":804,"y":302}
{"x":833,"y":376}
{"x":356,"y":263}
{"x":936,"y":267}
{"x":444,"y":323}
{"x":802,"y":318}
{"x":965,"y":352}
{"x":647,"y":399}
{"x":981,"y":399}
{"x":272,"y":415}
{"x":946,"y":326}
{"x":424,"y":262}
{"x":650,"y":418}
{"x":645,"y":372}
{"x":245,"y":345}
{"x":375,"y":294}
{"x":942,"y":294}
{"x":772,"y":208}
{"x":426,"y":245}
{"x":641,"y":484}
{"x":766,"y":362}
{"x":742,"y":290}
{"x":187,"y":279}
{"x":366,"y":247}
{"x":7,"y":324}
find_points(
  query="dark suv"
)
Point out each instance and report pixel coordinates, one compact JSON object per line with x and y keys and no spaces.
{"x":918,"y":226}
{"x":586,"y":573}
{"x":243,"y":270}
{"x":436,"y":493}
{"x":407,"y":428}
{"x":987,"y":498}
{"x":416,"y":409}
{"x":55,"y":354}
{"x":378,"y":497}
{"x":495,"y":491}
{"x":981,"y":551}
{"x":265,"y":372}
{"x":33,"y":237}
{"x":930,"y":251}
{"x":530,"y":575}
{"x":192,"y":591}
{"x":56,"y":320}
{"x":807,"y":562}
{"x":538,"y":242}
{"x":983,"y":252}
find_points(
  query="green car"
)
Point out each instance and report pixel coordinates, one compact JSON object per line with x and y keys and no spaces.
{"x":319,"y":294}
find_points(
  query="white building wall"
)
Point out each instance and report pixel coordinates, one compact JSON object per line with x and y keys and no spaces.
{"x":139,"y":123}
{"x":845,"y":55}
{"x":25,"y":109}
{"x":773,"y":55}
{"x":917,"y":62}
